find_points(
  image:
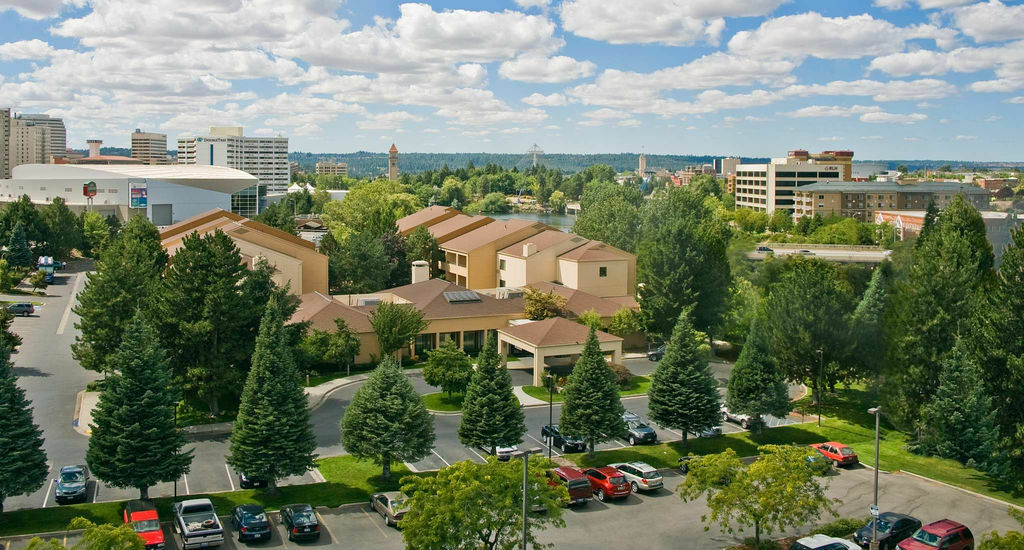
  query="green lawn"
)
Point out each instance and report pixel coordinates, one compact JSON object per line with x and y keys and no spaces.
{"x":347,"y":480}
{"x":441,"y":402}
{"x":638,"y":385}
{"x":846,"y":420}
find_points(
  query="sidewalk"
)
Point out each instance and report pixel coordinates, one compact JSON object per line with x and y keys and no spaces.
{"x":526,"y":400}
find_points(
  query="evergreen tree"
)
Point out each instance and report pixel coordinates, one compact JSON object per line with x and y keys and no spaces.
{"x":950,"y":275}
{"x":420,"y":245}
{"x":23,"y":468}
{"x":448,"y":368}
{"x":135,"y":442}
{"x":273,"y":437}
{"x":683,"y":395}
{"x":866,"y":325}
{"x":123,"y":281}
{"x":592,"y":409}
{"x":756,"y":387}
{"x":959,"y":423}
{"x":931,"y":218}
{"x":387,"y":420}
{"x":8,"y":340}
{"x":491,"y":416}
{"x":18,"y":252}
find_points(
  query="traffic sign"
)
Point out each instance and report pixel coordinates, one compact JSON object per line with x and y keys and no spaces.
{"x":874,"y":511}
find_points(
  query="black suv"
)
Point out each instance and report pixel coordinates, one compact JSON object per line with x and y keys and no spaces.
{"x":567,"y":443}
{"x":892,"y":529}
{"x":637,"y":429}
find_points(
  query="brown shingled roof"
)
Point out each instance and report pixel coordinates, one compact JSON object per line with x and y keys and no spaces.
{"x":578,"y":301}
{"x":556,"y":331}
{"x":321,"y":311}
{"x":490,"y":233}
{"x":218,"y":218}
{"x":453,"y":225}
{"x":428,"y":297}
{"x":543,"y":240}
{"x":426,"y":217}
{"x":594,"y":251}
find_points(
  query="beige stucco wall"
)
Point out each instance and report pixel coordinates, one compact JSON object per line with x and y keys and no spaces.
{"x":305,"y":268}
{"x":540,"y":266}
{"x":620,"y":279}
{"x":468,"y":324}
{"x":515,"y":272}
{"x":482,"y":263}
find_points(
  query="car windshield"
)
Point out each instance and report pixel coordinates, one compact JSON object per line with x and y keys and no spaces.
{"x":883,"y":526}
{"x":398,"y":503}
{"x":798,"y":546}
{"x":616,"y":479}
{"x":146,"y":525}
{"x":653,"y":474}
{"x":931,"y":539}
{"x":846,"y":451}
{"x":72,"y":477}
{"x":304,"y":516}
{"x":249,"y":517}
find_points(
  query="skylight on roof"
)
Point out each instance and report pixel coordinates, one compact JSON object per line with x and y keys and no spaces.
{"x":461,"y":297}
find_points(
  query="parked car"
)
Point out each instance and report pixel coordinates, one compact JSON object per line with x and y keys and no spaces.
{"x":196,"y":523}
{"x":247,"y":482}
{"x":745,"y":421}
{"x":684,"y":463}
{"x":21,"y":308}
{"x":607,"y":483}
{"x":501,"y":453}
{"x":892,"y":528}
{"x":823,"y":542}
{"x":710,"y":432}
{"x":839,"y":454}
{"x":656,"y":354}
{"x":764,"y":249}
{"x":638,"y":430}
{"x":580,"y":491}
{"x":946,"y":534}
{"x":142,"y":516}
{"x":390,"y":505}
{"x":251,"y":523}
{"x":640,"y":475}
{"x":819,"y":463}
{"x":72,"y":484}
{"x":301,"y":522}
{"x":567,"y":443}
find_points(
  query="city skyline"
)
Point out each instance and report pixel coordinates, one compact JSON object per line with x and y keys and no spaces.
{"x":917,"y":79}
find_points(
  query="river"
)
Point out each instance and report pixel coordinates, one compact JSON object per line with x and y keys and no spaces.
{"x":558,"y":221}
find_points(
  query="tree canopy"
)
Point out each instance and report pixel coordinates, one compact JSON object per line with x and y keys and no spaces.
{"x":592,"y":409}
{"x":491,"y":415}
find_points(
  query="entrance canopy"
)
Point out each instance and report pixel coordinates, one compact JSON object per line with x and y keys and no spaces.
{"x":552,"y":337}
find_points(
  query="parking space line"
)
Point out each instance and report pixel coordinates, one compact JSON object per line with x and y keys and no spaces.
{"x":411,"y":467}
{"x":71,"y":303}
{"x":96,"y":493}
{"x":670,"y":430}
{"x":46,"y":497}
{"x":7,"y":545}
{"x":544,"y":444}
{"x":441,"y":457}
{"x":231,"y":481}
{"x":324,"y":525}
{"x":619,"y":443}
{"x":185,"y":479}
{"x":373,"y":521}
{"x":478,"y":455}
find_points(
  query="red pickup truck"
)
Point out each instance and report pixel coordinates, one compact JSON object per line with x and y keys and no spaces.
{"x":143,"y":518}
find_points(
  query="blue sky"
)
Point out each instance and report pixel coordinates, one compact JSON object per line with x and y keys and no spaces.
{"x":909,"y":79}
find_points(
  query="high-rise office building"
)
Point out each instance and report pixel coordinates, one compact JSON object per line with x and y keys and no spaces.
{"x":393,"y":163}
{"x":56,"y":138}
{"x":29,"y":143}
{"x":149,"y":147}
{"x":263,"y":157}
{"x":5,"y":143}
{"x":766,"y":187}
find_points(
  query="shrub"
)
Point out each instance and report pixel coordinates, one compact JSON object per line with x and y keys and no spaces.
{"x":842,"y":527}
{"x":622,"y":375}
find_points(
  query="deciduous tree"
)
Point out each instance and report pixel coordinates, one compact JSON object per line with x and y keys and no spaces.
{"x":491,"y":416}
{"x":96,"y":232}
{"x":448,"y":368}
{"x":64,"y":231}
{"x":557,"y":202}
{"x":591,"y":318}
{"x":592,"y":409}
{"x":625,"y":322}
{"x":395,"y":325}
{"x":23,"y":469}
{"x":135,"y":441}
{"x":610,"y":213}
{"x":540,"y":305}
{"x":420,"y":245}
{"x":387,"y":420}
{"x":104,"y":536}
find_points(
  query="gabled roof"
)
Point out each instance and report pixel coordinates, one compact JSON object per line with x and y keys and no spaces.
{"x":596,"y":251}
{"x":427,"y":216}
{"x":429,"y":297}
{"x":543,"y":240}
{"x":442,"y":230}
{"x":489,"y":233}
{"x":578,"y":301}
{"x":229,"y":223}
{"x":321,"y":311}
{"x":556,"y":331}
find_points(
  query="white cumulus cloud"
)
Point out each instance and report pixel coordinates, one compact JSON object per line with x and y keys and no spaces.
{"x":540,"y":100}
{"x":537,"y":68}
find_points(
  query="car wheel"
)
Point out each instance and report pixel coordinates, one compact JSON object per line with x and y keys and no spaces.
{"x":632,"y":441}
{"x":565,"y":448}
{"x":600,"y":495}
{"x":635,"y":487}
{"x":835,"y":464}
{"x":387,"y":520}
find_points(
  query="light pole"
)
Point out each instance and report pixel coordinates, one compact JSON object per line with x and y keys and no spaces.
{"x":525,"y":455}
{"x":551,"y":411}
{"x":877,"y":411}
{"x":821,"y":370}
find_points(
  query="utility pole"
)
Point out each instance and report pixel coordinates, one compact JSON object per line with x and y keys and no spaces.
{"x":525,"y":455}
{"x":551,"y":409}
{"x":820,"y":388}
{"x":877,"y":411}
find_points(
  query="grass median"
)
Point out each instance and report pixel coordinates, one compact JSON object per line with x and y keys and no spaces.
{"x":441,"y":402}
{"x":347,"y":480}
{"x":637,"y":385}
{"x":845,"y":420}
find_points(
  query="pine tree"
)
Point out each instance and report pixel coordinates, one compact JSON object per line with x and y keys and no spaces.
{"x":387,"y":420}
{"x":756,"y":387}
{"x":491,"y":416}
{"x":272,"y":437}
{"x":23,"y":467}
{"x":931,"y":219}
{"x":592,"y":409}
{"x":683,"y":395}
{"x":959,"y":423}
{"x":18,"y":252}
{"x":135,"y":442}
{"x":866,"y":325}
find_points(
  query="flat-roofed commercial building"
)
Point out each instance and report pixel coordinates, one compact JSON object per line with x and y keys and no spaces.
{"x":149,"y":147}
{"x":164,"y":194}
{"x":332,"y":168}
{"x":296,"y":262}
{"x":998,"y":226}
{"x":55,"y":143}
{"x":767,"y":187}
{"x":862,"y":200}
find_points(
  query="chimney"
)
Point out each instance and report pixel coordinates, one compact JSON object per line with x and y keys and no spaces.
{"x":420,"y":271}
{"x":529,"y":249}
{"x":94,"y":147}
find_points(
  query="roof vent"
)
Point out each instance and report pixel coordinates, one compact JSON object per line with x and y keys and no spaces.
{"x":461,"y":297}
{"x":368,"y":301}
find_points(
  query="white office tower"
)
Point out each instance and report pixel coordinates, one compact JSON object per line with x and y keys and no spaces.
{"x":56,"y":138}
{"x":5,"y":143}
{"x":149,"y":147}
{"x":263,"y":157}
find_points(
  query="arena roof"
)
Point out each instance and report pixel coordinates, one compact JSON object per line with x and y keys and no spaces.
{"x":211,"y":178}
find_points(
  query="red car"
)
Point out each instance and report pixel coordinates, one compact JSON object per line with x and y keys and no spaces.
{"x":946,"y":534}
{"x":607,"y":483}
{"x":837,"y":453}
{"x":143,"y":518}
{"x":579,"y":487}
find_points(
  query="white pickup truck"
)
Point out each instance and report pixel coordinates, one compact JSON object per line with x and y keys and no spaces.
{"x":196,"y":523}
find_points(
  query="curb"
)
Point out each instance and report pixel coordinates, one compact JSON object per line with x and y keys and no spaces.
{"x":962,"y":490}
{"x":348,"y":382}
{"x":78,"y":412}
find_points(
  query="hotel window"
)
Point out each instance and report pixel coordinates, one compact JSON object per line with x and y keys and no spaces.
{"x":425,"y":343}
{"x":472,"y":341}
{"x":501,"y":266}
{"x":602,"y":271}
{"x":453,"y":336}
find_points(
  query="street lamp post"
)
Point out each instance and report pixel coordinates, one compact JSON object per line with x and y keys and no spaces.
{"x":821,"y":370}
{"x":877,"y":411}
{"x":525,"y":455}
{"x":551,"y":411}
